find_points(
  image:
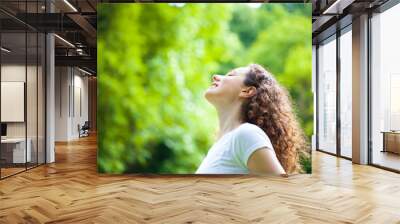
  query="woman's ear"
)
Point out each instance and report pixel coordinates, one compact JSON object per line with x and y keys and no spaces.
{"x":248,"y":91}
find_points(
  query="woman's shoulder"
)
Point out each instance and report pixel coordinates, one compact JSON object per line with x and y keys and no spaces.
{"x":249,"y":126}
{"x":246,"y":129}
{"x":250,"y":136}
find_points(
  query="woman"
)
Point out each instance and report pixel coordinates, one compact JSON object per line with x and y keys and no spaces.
{"x":258,"y":131}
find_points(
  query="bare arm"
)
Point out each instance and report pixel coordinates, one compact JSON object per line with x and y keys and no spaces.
{"x":264,"y":161}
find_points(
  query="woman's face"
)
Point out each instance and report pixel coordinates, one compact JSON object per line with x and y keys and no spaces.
{"x":226,"y":89}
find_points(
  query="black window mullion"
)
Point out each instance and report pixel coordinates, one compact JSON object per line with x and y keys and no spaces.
{"x":317,"y":96}
{"x":369,"y":90}
{"x":73,"y":92}
{"x":46,"y":3}
{"x":45,"y":94}
{"x":37,"y":90}
{"x":26,"y":86}
{"x":338,"y":115}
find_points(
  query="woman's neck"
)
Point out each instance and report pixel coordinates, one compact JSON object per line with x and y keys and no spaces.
{"x":229,"y":118}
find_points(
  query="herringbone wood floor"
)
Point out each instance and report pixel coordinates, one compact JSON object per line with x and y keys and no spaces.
{"x":70,"y":191}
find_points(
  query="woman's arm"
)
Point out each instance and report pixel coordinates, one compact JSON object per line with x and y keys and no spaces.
{"x":264,"y":161}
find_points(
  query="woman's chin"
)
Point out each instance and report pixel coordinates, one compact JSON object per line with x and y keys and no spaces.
{"x":210,"y":94}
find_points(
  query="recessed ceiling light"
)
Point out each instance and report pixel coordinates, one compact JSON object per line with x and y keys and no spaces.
{"x":70,"y":5}
{"x":84,"y":71}
{"x":64,"y":40}
{"x":337,"y":7}
{"x":5,"y":50}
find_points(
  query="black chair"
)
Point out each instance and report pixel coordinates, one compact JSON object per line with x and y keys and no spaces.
{"x":84,"y":130}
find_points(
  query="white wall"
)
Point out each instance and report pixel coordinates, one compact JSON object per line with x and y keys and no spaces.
{"x":71,"y":94}
{"x":79,"y":115}
{"x":33,"y":127}
{"x":62,"y":81}
{"x":15,"y":72}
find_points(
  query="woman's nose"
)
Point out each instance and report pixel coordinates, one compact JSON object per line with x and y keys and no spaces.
{"x":216,"y":77}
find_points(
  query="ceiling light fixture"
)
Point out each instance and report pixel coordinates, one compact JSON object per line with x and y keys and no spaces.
{"x":70,"y":5}
{"x":79,"y":51}
{"x":64,"y":40}
{"x":331,"y":7}
{"x":337,"y":7}
{"x":5,"y":50}
{"x":84,"y":71}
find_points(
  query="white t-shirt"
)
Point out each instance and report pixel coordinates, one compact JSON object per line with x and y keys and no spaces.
{"x":230,"y":153}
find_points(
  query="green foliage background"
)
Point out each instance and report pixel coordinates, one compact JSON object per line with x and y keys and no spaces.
{"x":156,"y":60}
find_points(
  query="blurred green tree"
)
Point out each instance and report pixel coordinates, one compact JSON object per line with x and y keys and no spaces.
{"x":155,"y":61}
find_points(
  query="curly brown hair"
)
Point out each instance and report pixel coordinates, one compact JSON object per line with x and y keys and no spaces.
{"x":271,"y":109}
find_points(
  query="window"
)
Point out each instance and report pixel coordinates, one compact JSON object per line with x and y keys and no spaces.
{"x":327,"y":95}
{"x":385,"y":88}
{"x":346,"y":92}
{"x":22,"y":88}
